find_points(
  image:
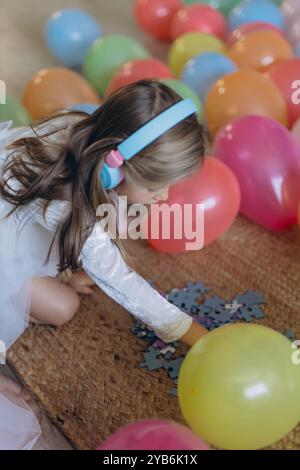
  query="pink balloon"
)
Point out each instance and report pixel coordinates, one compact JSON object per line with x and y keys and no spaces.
{"x":154,"y":434}
{"x":296,"y":131}
{"x":244,"y":29}
{"x":266,"y":161}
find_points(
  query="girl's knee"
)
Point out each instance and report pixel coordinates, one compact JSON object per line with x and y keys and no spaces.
{"x":66,"y":308}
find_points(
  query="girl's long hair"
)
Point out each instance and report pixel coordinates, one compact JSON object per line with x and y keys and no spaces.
{"x":52,"y":167}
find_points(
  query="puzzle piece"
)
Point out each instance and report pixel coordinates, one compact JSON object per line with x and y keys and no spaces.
{"x":215,"y":309}
{"x":250,"y":313}
{"x":142,"y":331}
{"x":205,"y":321}
{"x":212,"y":313}
{"x":187,"y":299}
{"x":233,"y":307}
{"x":167,"y":350}
{"x":197,"y":287}
{"x":173,"y":367}
{"x":250,"y":297}
{"x":183,"y":299}
{"x":290,"y":335}
{"x":159,"y":344}
{"x":153,"y":359}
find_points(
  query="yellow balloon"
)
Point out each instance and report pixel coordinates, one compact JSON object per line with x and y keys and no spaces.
{"x":189,"y":45}
{"x":239,"y":387}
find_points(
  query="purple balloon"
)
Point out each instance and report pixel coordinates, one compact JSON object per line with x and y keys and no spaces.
{"x":265,"y":158}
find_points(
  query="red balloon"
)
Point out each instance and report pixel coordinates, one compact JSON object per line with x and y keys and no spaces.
{"x":201,"y":18}
{"x":286,"y":75}
{"x":154,"y":16}
{"x":216,"y":188}
{"x":138,"y":70}
{"x":244,"y":29}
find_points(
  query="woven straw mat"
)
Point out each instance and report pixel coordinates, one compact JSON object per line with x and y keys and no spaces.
{"x":86,"y":374}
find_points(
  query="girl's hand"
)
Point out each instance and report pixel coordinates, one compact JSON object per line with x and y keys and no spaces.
{"x":193,"y":335}
{"x":81,"y":283}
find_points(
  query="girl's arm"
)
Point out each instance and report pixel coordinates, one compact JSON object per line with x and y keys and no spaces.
{"x":194,"y":333}
{"x":103,"y":262}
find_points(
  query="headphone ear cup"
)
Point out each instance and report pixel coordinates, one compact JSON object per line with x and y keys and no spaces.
{"x":111,"y":177}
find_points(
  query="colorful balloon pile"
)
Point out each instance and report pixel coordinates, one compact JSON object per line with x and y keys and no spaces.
{"x":240,"y":57}
{"x":239,"y":60}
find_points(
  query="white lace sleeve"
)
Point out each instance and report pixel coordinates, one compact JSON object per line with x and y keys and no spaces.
{"x":103,"y":262}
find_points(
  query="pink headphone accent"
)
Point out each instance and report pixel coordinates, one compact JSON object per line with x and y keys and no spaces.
{"x":114,"y":159}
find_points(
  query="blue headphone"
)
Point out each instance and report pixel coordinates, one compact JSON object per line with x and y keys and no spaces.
{"x":112,"y":174}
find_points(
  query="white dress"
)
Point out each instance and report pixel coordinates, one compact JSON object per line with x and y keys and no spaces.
{"x":24,"y":243}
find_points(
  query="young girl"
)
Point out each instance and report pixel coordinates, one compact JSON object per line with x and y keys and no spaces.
{"x":54,"y":176}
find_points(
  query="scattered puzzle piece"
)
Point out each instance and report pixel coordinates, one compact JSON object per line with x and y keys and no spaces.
{"x":211,"y":313}
{"x":250,"y":313}
{"x":187,"y":298}
{"x":290,"y":335}
{"x":153,"y":359}
{"x":173,"y":367}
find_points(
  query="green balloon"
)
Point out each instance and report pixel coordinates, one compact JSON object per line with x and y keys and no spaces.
{"x":239,"y":387}
{"x":224,"y":6}
{"x":13,"y":110}
{"x":106,"y":55}
{"x":185,"y":92}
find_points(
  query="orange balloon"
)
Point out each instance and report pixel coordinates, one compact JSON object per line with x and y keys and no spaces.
{"x":55,"y":88}
{"x":242,"y":93}
{"x":260,"y":49}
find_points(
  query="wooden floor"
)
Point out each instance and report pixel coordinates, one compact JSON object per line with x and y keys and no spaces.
{"x":23,"y":53}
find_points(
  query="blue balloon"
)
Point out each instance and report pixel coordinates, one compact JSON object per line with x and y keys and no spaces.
{"x":85,"y":107}
{"x":202,"y":71}
{"x":256,"y":10}
{"x":69,"y":33}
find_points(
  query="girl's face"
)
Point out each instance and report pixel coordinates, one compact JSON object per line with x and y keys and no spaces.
{"x":140,"y":195}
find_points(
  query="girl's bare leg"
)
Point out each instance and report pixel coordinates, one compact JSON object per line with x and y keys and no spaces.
{"x":52,"y":302}
{"x":13,"y":388}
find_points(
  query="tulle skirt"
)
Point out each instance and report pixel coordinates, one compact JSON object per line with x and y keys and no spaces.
{"x":23,"y":248}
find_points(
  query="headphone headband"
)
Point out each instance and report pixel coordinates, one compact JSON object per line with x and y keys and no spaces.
{"x":111,"y":174}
